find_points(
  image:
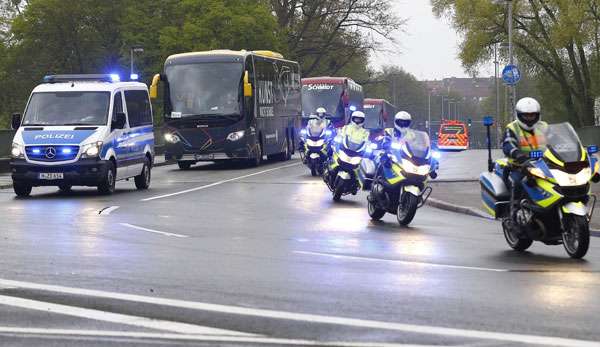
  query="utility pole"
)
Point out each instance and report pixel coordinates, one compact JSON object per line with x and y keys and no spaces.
{"x":429,"y":113}
{"x":134,"y":49}
{"x":497,"y":81}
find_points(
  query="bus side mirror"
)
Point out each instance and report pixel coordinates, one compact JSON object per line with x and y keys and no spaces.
{"x":15,"y":121}
{"x":154,"y":87}
{"x":119,"y":122}
{"x":247,"y":85}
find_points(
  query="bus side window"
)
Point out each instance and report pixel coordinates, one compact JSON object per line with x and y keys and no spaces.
{"x":249,"y":102}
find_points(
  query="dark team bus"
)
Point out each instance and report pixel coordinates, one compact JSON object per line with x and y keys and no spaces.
{"x":379,"y":115}
{"x":340,"y":96}
{"x":229,"y":105}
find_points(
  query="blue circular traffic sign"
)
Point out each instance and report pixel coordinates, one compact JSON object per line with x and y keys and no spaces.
{"x":511,"y":75}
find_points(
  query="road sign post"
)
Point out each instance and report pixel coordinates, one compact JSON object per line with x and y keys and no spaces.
{"x":488,"y":121}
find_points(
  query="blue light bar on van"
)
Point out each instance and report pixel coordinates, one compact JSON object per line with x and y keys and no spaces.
{"x":134,"y":77}
{"x":81,"y":78}
{"x":115,"y":77}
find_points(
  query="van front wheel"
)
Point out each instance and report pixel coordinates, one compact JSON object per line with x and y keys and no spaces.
{"x":22,"y":189}
{"x":107,"y":186}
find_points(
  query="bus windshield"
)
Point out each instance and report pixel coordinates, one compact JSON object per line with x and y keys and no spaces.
{"x":205,"y":89}
{"x":373,"y":113}
{"x":328,"y":96}
{"x":67,"y":108}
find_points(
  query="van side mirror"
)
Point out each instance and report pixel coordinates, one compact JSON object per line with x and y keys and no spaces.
{"x":247,"y":85}
{"x":119,"y":122}
{"x":15,"y":121}
{"x":154,"y":86}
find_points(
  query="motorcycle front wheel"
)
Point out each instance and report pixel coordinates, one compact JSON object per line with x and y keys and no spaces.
{"x":407,"y":208}
{"x":576,"y":239}
{"x":515,"y":242}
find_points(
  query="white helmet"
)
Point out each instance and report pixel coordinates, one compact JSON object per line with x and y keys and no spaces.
{"x":321,"y":112}
{"x":402,"y":121}
{"x":358,"y":118}
{"x":528,"y":113}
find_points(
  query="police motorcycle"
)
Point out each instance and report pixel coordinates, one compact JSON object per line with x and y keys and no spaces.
{"x":316,"y":140}
{"x":341,"y":169}
{"x":555,"y":205}
{"x":399,"y":185}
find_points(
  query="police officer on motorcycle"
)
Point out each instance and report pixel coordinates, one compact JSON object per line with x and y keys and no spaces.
{"x":402,"y":121}
{"x":356,"y":125}
{"x":522,"y":136}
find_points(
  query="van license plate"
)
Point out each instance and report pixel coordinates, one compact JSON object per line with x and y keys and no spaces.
{"x":205,"y":156}
{"x":51,"y":176}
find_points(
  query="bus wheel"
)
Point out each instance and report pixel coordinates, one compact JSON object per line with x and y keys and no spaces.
{"x":257,"y":160}
{"x":287,"y":153}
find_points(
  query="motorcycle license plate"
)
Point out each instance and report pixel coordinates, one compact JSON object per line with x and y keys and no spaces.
{"x":51,"y":176}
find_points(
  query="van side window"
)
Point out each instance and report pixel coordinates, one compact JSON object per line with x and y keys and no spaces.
{"x":117,"y":105}
{"x":138,"y":108}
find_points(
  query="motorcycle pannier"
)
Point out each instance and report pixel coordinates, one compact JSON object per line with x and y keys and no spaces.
{"x":366,"y":173}
{"x":494,"y":193}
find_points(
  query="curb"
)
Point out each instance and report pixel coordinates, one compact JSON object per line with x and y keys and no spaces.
{"x":470,"y":211}
{"x":457,"y":180}
{"x":443,"y":205}
{"x":6,"y":186}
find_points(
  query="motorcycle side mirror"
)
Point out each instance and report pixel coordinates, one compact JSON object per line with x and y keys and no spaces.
{"x":16,"y":121}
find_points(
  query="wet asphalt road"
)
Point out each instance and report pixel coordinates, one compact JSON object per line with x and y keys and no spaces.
{"x":236,"y":257}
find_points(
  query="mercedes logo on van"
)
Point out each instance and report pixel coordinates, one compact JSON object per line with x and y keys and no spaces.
{"x":50,"y":152}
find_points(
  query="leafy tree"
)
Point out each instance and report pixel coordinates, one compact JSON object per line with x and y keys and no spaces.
{"x":556,"y":41}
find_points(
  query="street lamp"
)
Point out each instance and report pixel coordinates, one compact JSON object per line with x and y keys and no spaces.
{"x":134,"y":49}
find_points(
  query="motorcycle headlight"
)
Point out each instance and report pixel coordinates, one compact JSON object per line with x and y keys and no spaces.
{"x":91,"y":150}
{"x":409,"y":167}
{"x":236,"y":136}
{"x":569,"y":180}
{"x":348,"y":159}
{"x":17,"y":151}
{"x":172,"y":138}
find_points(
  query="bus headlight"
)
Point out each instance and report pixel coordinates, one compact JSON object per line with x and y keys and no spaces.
{"x":17,"y":151}
{"x":172,"y":138}
{"x":91,"y":150}
{"x":236,"y":136}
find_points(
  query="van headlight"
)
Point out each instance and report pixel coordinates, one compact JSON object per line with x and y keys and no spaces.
{"x":236,"y":136}
{"x":91,"y":150}
{"x":172,"y":138}
{"x":17,"y":151}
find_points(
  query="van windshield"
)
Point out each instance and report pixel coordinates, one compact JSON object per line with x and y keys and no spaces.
{"x":67,"y":108}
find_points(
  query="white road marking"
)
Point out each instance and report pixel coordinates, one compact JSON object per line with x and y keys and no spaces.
{"x":218,"y":183}
{"x":189,"y":337}
{"x":175,"y":327}
{"x":312,"y":318}
{"x":403,"y":262}
{"x":108,"y":210}
{"x":152,"y":230}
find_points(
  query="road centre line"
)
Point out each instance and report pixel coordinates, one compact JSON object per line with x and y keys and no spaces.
{"x":403,"y":262}
{"x":152,"y":230}
{"x":218,"y":183}
{"x":108,"y":210}
{"x":310,"y":318}
{"x":189,"y":337}
{"x":118,"y":318}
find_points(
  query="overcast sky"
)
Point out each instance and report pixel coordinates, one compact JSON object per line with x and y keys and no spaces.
{"x":428,"y":48}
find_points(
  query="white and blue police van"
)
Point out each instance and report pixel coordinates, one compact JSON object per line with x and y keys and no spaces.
{"x":83,"y":130}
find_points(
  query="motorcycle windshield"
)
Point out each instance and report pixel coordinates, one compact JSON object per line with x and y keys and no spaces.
{"x":418,"y":144}
{"x":315,"y":127}
{"x":562,"y":139}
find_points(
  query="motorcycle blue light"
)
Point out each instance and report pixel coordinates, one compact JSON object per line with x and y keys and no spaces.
{"x":352,"y":108}
{"x":374,"y":146}
{"x":396,"y":145}
{"x":328,"y":132}
{"x":303,"y":131}
{"x":436,"y":155}
{"x":338,"y":140}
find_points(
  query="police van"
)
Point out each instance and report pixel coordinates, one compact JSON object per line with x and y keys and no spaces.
{"x":83,"y":130}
